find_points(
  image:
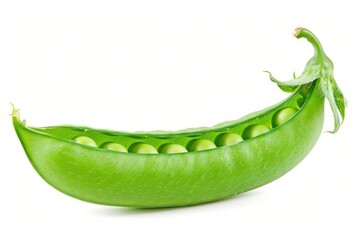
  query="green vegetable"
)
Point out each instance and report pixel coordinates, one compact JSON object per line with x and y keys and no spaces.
{"x":227,"y":139}
{"x":172,"y":148}
{"x":283,"y":115}
{"x":126,"y":170}
{"x":85,"y":140}
{"x":142,"y":148}
{"x":114,"y":147}
{"x":255,"y":130}
{"x":200,"y":145}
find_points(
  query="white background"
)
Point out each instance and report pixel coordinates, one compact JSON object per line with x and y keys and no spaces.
{"x":146,"y":65}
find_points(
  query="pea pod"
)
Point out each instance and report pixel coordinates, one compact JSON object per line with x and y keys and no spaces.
{"x":164,"y":169}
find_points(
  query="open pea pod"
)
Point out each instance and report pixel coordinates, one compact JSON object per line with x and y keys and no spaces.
{"x":164,"y":169}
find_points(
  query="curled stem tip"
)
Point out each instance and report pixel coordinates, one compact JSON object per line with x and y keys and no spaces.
{"x":297,"y":31}
{"x":308,"y":35}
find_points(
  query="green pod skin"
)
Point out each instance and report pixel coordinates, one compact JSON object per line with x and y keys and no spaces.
{"x":106,"y":177}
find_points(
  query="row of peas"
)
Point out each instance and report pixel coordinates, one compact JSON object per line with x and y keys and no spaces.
{"x":223,"y":139}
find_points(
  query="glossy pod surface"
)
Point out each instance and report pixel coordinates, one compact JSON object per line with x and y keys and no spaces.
{"x":163,"y":169}
{"x":158,"y":180}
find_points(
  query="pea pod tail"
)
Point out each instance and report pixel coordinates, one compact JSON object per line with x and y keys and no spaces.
{"x":15,"y":113}
{"x":318,"y":67}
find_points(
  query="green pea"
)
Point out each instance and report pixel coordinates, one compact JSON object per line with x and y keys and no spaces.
{"x":305,"y":89}
{"x":200,"y":145}
{"x":226,"y":139}
{"x":254,"y":130}
{"x":172,"y":148}
{"x":85,"y":140}
{"x":117,"y":147}
{"x":283,"y":115}
{"x":142,"y":148}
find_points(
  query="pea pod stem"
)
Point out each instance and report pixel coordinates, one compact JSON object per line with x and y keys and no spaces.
{"x":308,"y":35}
{"x":318,"y":67}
